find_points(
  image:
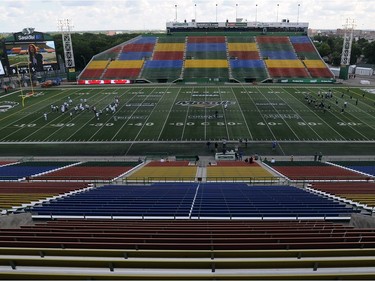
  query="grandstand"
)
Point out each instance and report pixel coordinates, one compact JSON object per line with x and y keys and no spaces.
{"x":157,"y":216}
{"x":208,"y":220}
{"x":221,"y":55}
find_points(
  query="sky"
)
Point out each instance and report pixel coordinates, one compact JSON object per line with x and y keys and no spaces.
{"x":92,"y":15}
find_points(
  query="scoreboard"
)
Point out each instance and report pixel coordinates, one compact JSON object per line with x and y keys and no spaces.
{"x":30,"y":51}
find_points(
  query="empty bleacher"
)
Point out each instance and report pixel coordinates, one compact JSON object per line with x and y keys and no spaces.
{"x":246,"y":58}
{"x":304,"y":48}
{"x":306,"y":170}
{"x":167,"y":60}
{"x":366,"y":167}
{"x":359,"y":192}
{"x":124,"y":61}
{"x":237,"y":170}
{"x":245,"y":61}
{"x":123,"y":68}
{"x":17,"y":194}
{"x":89,"y":171}
{"x":187,"y":250}
{"x":94,"y":69}
{"x":195,"y":201}
{"x":206,"y":57}
{"x":188,"y":231}
{"x":280,"y":58}
{"x":155,"y":171}
{"x":310,"y":57}
{"x":23,"y":170}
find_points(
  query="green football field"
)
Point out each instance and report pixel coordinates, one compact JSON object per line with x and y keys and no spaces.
{"x":189,"y":114}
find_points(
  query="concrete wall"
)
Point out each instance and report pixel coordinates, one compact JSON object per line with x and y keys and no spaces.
{"x":362,"y":221}
{"x":15,"y":220}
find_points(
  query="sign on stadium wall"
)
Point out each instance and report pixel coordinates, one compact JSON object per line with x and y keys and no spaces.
{"x":307,"y":81}
{"x":2,"y":72}
{"x":103,"y":82}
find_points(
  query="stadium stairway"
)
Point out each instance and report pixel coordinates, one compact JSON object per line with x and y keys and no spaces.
{"x":228,"y":59}
{"x":151,"y":58}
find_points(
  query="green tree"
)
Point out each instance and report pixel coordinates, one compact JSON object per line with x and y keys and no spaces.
{"x":324,"y":49}
{"x":87,"y":45}
{"x":369,"y":52}
{"x":335,"y":58}
{"x":355,"y":53}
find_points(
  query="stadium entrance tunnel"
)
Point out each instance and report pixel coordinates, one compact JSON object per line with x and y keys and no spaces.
{"x":141,"y":81}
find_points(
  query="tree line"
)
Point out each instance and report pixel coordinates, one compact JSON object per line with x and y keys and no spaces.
{"x":86,"y":45}
{"x":330,"y":49}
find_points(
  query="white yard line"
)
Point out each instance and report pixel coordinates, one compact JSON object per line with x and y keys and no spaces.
{"x":277,"y":111}
{"x":169,"y":112}
{"x":224,"y":115}
{"x":108,"y":119}
{"x":348,"y":120}
{"x":187,"y":114}
{"x":243,"y":116}
{"x":67,"y":118}
{"x":303,"y":120}
{"x":58,"y":117}
{"x":260,"y":113}
{"x":134,"y":111}
{"x":25,"y":116}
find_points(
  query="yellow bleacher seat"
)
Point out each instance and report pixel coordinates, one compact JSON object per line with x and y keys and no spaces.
{"x":126,"y":64}
{"x":97,"y":64}
{"x":171,"y":47}
{"x":284,"y":64}
{"x":242,"y":47}
{"x":314,"y":64}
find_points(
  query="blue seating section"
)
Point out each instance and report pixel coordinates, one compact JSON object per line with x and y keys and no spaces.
{"x":145,"y":40}
{"x":364,"y":169}
{"x":299,"y":39}
{"x":195,"y":201}
{"x":279,"y":55}
{"x":16,"y":172}
{"x":134,"y":55}
{"x":164,"y":64}
{"x":247,"y":64}
{"x":241,"y":200}
{"x":367,"y":167}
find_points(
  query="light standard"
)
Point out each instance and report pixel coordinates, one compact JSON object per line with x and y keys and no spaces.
{"x":277,"y":13}
{"x":175,"y":6}
{"x":298,"y":13}
{"x":256,"y":12}
{"x":236,"y":12}
{"x":216,"y":12}
{"x":195,"y":12}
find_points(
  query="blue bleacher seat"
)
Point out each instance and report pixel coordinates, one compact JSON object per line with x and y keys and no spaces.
{"x":134,"y":55}
{"x":164,"y":64}
{"x":280,"y":55}
{"x":211,"y":200}
{"x":247,"y":63}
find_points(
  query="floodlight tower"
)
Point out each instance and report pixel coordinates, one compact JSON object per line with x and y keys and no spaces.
{"x":66,"y":27}
{"x":346,"y":49}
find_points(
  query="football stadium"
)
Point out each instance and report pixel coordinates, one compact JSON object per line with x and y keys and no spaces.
{"x":213,"y":151}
